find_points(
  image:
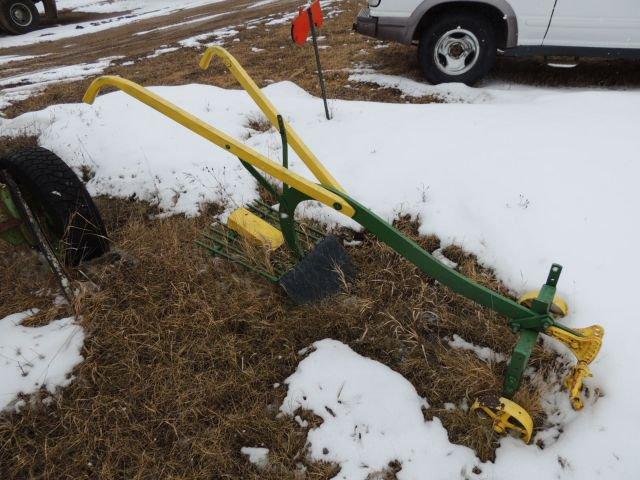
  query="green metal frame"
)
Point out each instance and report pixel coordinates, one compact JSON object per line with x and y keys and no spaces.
{"x":527,"y":322}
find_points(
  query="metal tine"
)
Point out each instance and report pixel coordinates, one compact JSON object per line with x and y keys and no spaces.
{"x":239,"y":261}
{"x":232,"y":248}
{"x":221,"y":244}
{"x":224,"y":238}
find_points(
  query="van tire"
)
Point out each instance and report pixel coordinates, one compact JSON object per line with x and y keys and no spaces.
{"x":469,"y":44}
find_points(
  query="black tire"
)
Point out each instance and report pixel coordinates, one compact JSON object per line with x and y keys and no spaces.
{"x":456,"y":26}
{"x":55,"y":192}
{"x":19,"y":16}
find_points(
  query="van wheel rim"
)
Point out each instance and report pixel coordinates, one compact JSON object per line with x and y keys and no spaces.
{"x":21,"y":15}
{"x":456,"y":52}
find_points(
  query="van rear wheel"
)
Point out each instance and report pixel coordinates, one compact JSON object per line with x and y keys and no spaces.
{"x":457,"y":47}
{"x":19,"y":16}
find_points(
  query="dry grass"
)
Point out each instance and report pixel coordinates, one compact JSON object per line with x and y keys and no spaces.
{"x":183,"y":351}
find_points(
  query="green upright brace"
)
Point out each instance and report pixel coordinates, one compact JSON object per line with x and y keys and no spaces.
{"x":260,"y":178}
{"x":519,"y":361}
{"x":285,"y":143}
{"x":289,"y":201}
{"x":529,"y":329}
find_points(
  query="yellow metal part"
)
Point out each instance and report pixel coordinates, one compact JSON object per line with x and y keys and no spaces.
{"x":220,"y":139}
{"x":573,"y":384}
{"x":507,"y":416}
{"x":321,"y":173}
{"x":558,"y":307}
{"x":585,"y":344}
{"x":254,"y":229}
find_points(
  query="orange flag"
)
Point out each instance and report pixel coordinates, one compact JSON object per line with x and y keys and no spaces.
{"x":301,"y":26}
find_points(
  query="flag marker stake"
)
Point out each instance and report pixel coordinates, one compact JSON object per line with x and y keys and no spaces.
{"x":323,"y":87}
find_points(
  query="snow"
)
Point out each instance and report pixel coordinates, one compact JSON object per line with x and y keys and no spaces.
{"x":32,"y":358}
{"x":523,"y":178}
{"x":18,"y":58}
{"x":483,"y":353}
{"x":22,"y":86}
{"x":182,"y":24}
{"x":257,"y":455}
{"x":209,"y":39}
{"x":371,"y":416}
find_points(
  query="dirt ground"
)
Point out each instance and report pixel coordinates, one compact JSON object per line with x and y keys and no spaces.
{"x":183,"y":351}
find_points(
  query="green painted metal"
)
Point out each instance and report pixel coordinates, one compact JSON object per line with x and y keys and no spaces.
{"x":527,"y":322}
{"x":285,"y":143}
{"x":529,"y":329}
{"x":8,"y":213}
{"x":518,"y":363}
{"x":289,"y":201}
{"x":260,"y":178}
{"x":410,"y":250}
{"x":218,"y":251}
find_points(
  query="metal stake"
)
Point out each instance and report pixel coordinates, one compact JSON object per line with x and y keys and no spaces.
{"x":314,"y":35}
{"x":43,"y":242}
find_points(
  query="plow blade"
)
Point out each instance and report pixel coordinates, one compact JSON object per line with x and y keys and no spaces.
{"x":322,"y":272}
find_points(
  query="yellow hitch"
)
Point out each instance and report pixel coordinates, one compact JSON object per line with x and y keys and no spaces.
{"x":585,"y":345}
{"x":507,"y":416}
{"x":254,"y":229}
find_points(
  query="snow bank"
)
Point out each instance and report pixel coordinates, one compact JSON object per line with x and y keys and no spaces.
{"x":371,"y":416}
{"x":22,"y":86}
{"x":520,"y":181}
{"x":32,"y":358}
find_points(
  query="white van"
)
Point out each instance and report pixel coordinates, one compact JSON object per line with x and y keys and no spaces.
{"x":458,"y":40}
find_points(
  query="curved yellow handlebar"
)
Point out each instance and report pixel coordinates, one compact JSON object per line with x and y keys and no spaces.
{"x":220,"y":139}
{"x":243,"y":78}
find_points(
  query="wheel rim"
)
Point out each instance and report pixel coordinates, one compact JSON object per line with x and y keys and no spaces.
{"x":456,"y":52}
{"x":21,"y":15}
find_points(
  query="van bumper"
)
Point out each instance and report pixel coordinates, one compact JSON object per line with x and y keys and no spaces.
{"x":393,"y":29}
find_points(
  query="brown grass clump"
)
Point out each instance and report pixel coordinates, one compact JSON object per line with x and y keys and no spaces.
{"x":183,"y":352}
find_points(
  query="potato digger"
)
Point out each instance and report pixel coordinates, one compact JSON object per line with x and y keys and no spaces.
{"x":310,"y":266}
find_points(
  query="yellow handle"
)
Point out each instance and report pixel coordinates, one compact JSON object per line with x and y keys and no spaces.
{"x":241,"y":75}
{"x":220,"y":139}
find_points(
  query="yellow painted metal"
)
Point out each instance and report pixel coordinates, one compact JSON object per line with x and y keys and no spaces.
{"x":585,"y":346}
{"x":254,"y":229}
{"x":507,"y":416}
{"x":321,"y":173}
{"x":559,"y":306}
{"x":573,"y":383}
{"x":219,"y":138}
